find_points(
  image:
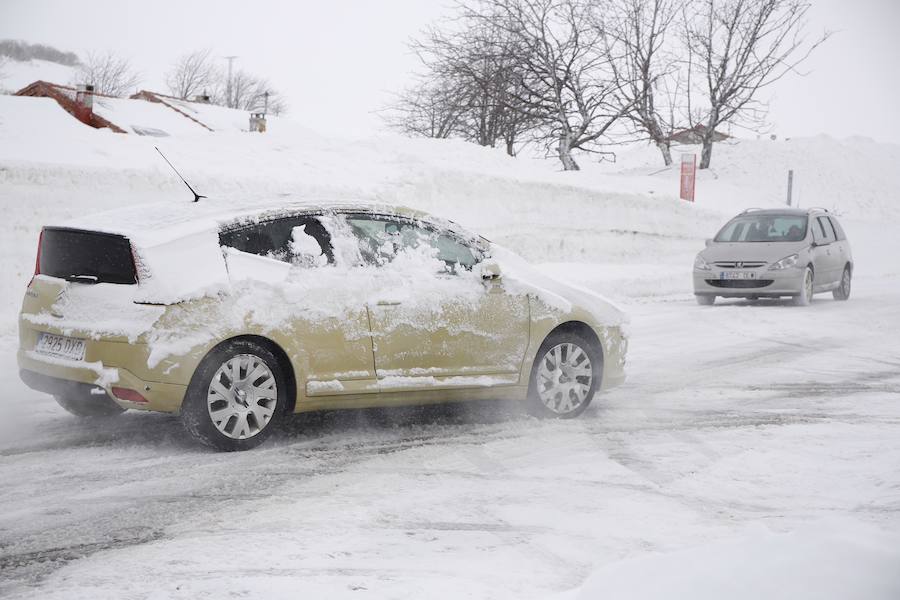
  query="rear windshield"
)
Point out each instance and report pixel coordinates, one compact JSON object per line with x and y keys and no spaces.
{"x":764,"y":228}
{"x":86,"y":256}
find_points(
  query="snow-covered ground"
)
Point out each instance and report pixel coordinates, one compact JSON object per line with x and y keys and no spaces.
{"x":753,"y":452}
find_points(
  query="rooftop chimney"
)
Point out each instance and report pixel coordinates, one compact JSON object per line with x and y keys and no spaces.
{"x":84,"y":103}
{"x":258,"y":122}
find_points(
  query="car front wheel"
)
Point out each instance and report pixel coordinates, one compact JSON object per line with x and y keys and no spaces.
{"x":806,"y":289}
{"x":565,"y":376}
{"x":236,"y":397}
{"x":704,"y":300}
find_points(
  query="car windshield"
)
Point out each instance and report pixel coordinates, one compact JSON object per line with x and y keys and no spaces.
{"x":764,"y":228}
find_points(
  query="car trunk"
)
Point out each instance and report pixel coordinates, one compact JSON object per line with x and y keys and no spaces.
{"x":85,"y":286}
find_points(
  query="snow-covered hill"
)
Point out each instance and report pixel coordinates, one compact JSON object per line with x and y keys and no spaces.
{"x":618,"y":215}
{"x":14,"y":74}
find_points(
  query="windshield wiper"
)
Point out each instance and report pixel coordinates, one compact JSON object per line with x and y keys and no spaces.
{"x":91,"y":279}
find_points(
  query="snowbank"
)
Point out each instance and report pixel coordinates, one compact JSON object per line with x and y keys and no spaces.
{"x":17,"y":74}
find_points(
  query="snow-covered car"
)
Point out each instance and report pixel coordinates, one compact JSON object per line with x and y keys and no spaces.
{"x":775,"y":252}
{"x":234,"y":316}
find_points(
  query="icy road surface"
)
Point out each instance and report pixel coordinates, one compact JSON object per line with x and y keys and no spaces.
{"x":735,"y":418}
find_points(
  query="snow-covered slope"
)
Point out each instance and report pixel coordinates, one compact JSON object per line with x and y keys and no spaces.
{"x":14,"y":74}
{"x":52,"y":167}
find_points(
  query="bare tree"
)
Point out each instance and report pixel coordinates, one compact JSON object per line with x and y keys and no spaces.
{"x":193,"y":74}
{"x":567,"y":82}
{"x":465,"y":87}
{"x":247,"y":92}
{"x":110,"y":74}
{"x":648,"y":67}
{"x":740,"y":47}
{"x":428,"y":109}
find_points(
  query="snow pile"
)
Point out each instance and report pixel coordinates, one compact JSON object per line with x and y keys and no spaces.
{"x":145,"y":118}
{"x":15,"y":74}
{"x":808,"y":564}
{"x":623,"y":220}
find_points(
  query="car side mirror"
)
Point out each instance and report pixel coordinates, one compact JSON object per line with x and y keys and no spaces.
{"x":490,"y":269}
{"x":709,"y":243}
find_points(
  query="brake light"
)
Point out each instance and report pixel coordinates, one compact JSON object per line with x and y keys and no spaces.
{"x":37,"y":259}
{"x":136,"y":261}
{"x":128,"y":395}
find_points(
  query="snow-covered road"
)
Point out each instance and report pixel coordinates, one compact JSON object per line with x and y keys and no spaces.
{"x":735,"y":418}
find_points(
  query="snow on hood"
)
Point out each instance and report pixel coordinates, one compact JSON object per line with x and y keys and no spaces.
{"x":555,"y":293}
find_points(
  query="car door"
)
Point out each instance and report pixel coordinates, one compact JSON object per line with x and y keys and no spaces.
{"x":842,"y":244}
{"x":826,"y":256}
{"x":286,"y":266}
{"x":436,"y":321}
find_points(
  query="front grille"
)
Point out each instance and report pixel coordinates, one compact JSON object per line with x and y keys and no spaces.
{"x":740,"y":264}
{"x":739,"y":283}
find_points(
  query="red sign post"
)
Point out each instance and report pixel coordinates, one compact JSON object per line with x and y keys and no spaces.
{"x":688,"y":176}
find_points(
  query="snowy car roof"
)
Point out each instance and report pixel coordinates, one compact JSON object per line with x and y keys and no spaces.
{"x":161,"y":222}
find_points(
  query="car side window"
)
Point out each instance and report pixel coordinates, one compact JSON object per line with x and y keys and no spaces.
{"x":827,"y":231}
{"x":838,"y":230}
{"x":300,"y":240}
{"x":818,"y":232}
{"x":382,"y":238}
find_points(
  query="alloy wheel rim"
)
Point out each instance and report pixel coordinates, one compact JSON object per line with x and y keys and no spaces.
{"x":241,"y":397}
{"x":565,"y":375}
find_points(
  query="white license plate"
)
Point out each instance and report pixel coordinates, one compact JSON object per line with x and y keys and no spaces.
{"x":737,"y":275}
{"x":60,"y":345}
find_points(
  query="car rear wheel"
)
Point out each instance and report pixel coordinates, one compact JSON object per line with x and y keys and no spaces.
{"x":89,"y":405}
{"x":704,"y":300}
{"x":843,"y":291}
{"x":806,"y":289}
{"x":236,"y":397}
{"x":565,"y":376}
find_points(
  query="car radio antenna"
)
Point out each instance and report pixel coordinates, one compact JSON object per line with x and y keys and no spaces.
{"x":196,"y":195}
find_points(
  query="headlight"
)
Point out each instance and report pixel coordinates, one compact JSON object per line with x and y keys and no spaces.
{"x":786,"y":263}
{"x":700,"y":264}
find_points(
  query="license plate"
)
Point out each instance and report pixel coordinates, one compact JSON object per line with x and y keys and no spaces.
{"x":61,"y":346}
{"x":737,"y":275}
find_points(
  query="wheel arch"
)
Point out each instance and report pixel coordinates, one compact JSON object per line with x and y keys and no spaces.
{"x":280,"y":355}
{"x":578,"y":327}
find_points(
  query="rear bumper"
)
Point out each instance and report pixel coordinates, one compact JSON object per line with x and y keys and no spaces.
{"x":58,"y":376}
{"x":766,"y":284}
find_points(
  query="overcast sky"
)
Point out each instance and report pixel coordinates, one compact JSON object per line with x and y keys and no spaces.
{"x":338,"y":61}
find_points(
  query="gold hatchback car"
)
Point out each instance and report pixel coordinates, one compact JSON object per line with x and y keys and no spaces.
{"x":233,"y":316}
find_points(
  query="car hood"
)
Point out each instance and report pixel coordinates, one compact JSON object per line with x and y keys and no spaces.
{"x":751,"y":251}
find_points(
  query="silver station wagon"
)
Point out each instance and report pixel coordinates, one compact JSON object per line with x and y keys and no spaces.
{"x":775,"y":253}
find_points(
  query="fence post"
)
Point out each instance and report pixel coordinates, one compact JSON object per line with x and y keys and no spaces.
{"x":790,"y":186}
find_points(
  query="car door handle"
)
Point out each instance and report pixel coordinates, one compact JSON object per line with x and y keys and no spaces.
{"x":388,"y":303}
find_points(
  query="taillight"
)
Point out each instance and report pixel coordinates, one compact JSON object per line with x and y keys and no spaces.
{"x":136,"y":261}
{"x":128,"y":395}
{"x":37,"y":260}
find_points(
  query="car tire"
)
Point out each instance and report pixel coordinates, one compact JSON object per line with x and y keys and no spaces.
{"x":843,"y":291}
{"x":90,"y":406}
{"x":704,"y":300}
{"x":806,"y":289}
{"x":243,"y":384}
{"x":560,"y":386}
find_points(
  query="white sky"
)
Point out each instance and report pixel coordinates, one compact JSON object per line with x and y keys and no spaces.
{"x":338,"y":61}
